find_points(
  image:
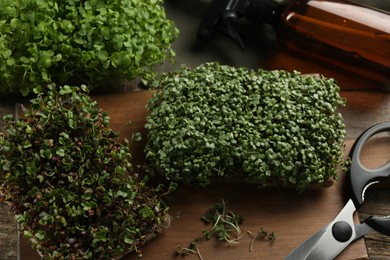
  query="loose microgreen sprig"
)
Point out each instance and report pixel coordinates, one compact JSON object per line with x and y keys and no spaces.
{"x":225,"y":224}
{"x":225,"y":227}
{"x":265,"y":127}
{"x":191,"y":249}
{"x":262,"y":234}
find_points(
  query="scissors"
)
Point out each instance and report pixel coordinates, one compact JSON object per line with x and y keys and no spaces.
{"x":332,"y":239}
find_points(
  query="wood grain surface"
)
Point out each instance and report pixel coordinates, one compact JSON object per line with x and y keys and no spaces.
{"x":292,"y":216}
{"x":292,"y":220}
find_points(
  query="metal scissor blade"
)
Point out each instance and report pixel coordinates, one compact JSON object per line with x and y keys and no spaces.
{"x":327,"y":247}
{"x":302,"y":251}
{"x":323,"y":245}
{"x":361,"y":230}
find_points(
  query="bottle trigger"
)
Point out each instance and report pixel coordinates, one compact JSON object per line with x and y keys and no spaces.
{"x":229,"y":31}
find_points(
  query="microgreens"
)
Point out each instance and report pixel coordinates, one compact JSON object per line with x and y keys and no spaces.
{"x":264,"y":127}
{"x":225,"y":227}
{"x":262,"y":234}
{"x":73,"y":41}
{"x":225,"y":224}
{"x":71,"y":182}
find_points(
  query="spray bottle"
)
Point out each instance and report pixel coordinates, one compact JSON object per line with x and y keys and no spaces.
{"x":352,"y":35}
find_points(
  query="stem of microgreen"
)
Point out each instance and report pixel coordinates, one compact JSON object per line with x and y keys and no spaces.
{"x":216,"y":223}
{"x":261,"y":234}
{"x":191,"y":249}
{"x":224,"y":223}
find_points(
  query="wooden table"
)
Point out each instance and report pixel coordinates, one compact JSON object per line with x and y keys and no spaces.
{"x":292,"y":216}
{"x":366,"y":105}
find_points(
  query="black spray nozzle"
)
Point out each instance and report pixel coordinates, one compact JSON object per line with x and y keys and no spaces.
{"x":222,"y":12}
{"x":218,"y":18}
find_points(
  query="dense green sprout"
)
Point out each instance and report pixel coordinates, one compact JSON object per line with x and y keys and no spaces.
{"x":70,"y":181}
{"x":265,"y":127}
{"x":81,"y":42}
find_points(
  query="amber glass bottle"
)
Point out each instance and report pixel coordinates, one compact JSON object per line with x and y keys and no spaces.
{"x":351,"y":35}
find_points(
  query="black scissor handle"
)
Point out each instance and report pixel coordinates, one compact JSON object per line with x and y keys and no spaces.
{"x":380,"y":224}
{"x":360,"y":176}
